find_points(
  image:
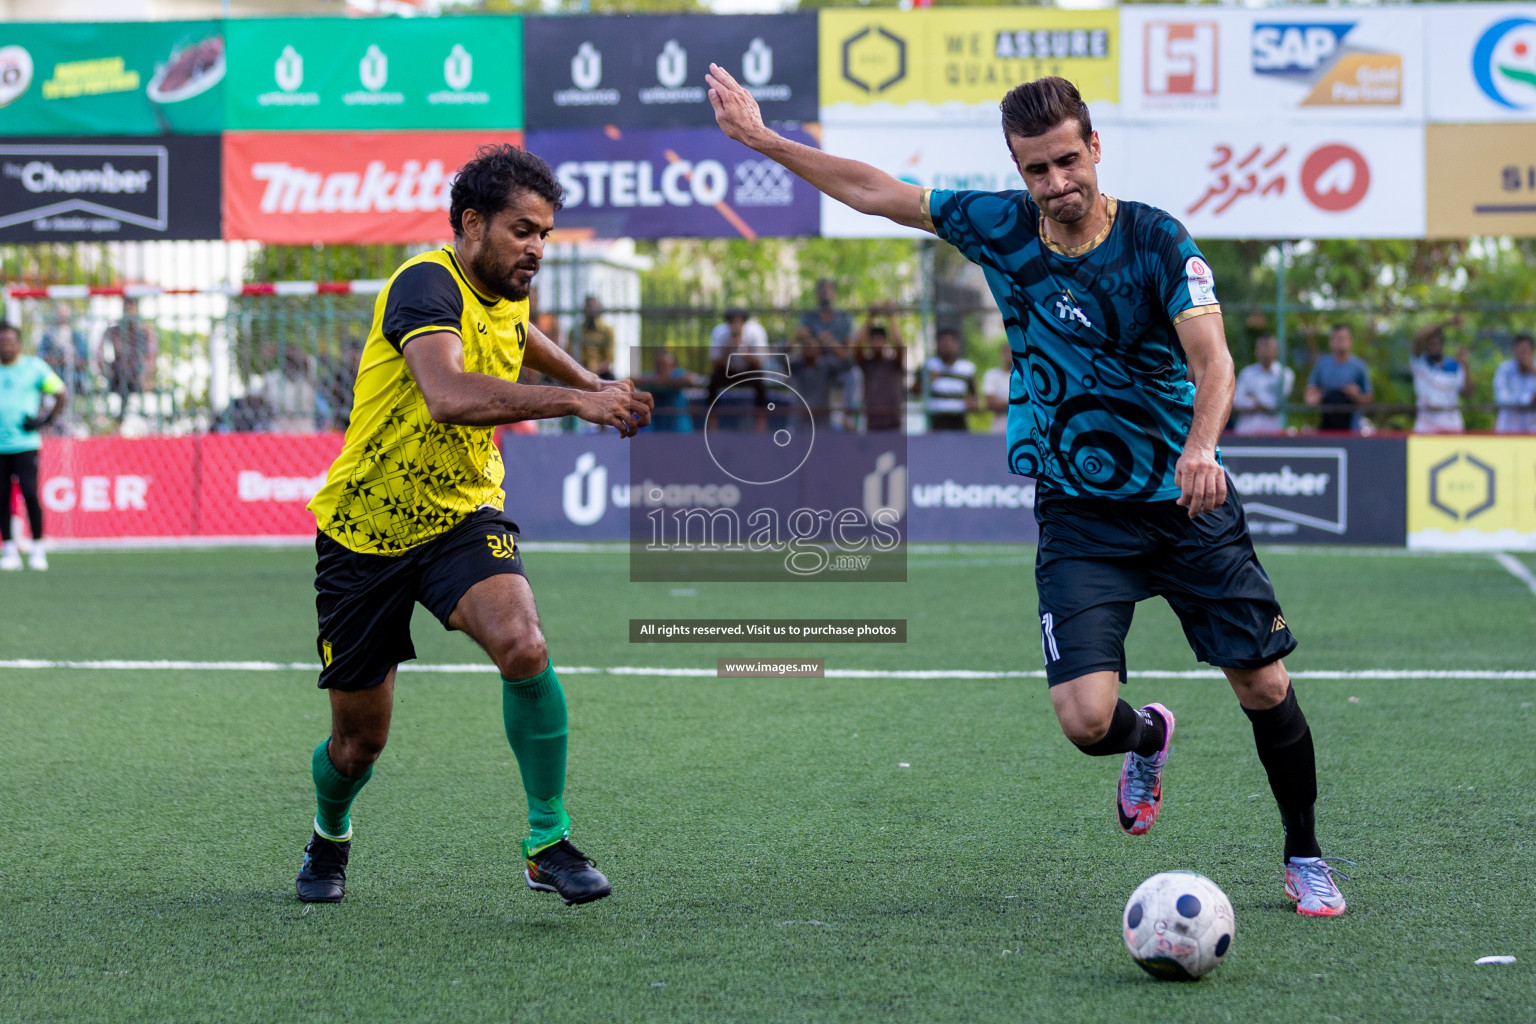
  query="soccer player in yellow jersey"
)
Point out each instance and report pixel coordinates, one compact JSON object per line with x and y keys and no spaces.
{"x":412,"y":509}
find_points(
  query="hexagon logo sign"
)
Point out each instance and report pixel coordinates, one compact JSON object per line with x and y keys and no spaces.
{"x":874,"y":59}
{"x":1463,"y":486}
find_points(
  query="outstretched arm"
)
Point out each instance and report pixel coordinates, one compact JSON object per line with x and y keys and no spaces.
{"x":866,"y":189}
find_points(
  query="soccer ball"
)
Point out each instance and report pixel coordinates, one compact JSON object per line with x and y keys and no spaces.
{"x":1178,"y":925}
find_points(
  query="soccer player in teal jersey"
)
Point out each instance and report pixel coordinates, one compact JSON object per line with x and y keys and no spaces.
{"x":1120,"y":386}
{"x":26,"y":382}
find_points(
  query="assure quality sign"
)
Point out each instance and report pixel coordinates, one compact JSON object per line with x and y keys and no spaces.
{"x":688,"y":182}
{"x":1263,"y":181}
{"x":109,"y":188}
{"x":298,"y":188}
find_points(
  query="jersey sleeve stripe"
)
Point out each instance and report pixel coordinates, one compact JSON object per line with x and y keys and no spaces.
{"x":1196,"y":311}
{"x":453,"y":329}
{"x":925,"y":209}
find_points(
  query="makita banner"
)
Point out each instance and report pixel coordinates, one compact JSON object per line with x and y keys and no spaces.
{"x":647,"y":71}
{"x":101,"y":189}
{"x":299,"y":188}
{"x":1335,"y":490}
{"x":258,"y":485}
{"x":687,"y":182}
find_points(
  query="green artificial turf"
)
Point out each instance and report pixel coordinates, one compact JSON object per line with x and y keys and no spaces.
{"x":772,"y":859}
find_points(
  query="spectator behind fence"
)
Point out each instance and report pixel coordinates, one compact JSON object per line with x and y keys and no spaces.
{"x":592,"y":340}
{"x":1340,"y":382}
{"x":947,"y":384}
{"x":666,"y":383}
{"x":738,"y":395}
{"x":1262,"y":387}
{"x":66,"y":349}
{"x":26,"y":383}
{"x":995,"y":388}
{"x":288,"y":394}
{"x":1514,"y":389}
{"x":877,"y":350}
{"x":128,"y":352}
{"x":739,"y":333}
{"x":1439,"y":384}
{"x":833,"y":328}
{"x":814,"y":369}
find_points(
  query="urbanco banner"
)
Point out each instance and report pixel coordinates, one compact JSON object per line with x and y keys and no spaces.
{"x":964,"y":156}
{"x":1482,"y":62}
{"x":1295,"y":63}
{"x":105,"y":188}
{"x":382,"y":73}
{"x":1481,"y":179}
{"x":131,"y":78}
{"x":1265,"y":180}
{"x":298,"y":188}
{"x":956,"y":63}
{"x":647,"y":71}
{"x":682,"y":182}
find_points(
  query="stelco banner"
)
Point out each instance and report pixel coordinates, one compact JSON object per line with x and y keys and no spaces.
{"x":1302,"y":64}
{"x":958,"y":62}
{"x":362,"y":188}
{"x":693,"y":182}
{"x":109,"y":189}
{"x":1472,"y":493}
{"x":335,"y":73}
{"x":138,"y":78}
{"x":647,"y":71}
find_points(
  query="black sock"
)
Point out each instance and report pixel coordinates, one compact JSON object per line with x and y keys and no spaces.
{"x":1284,"y":742}
{"x":1129,"y":730}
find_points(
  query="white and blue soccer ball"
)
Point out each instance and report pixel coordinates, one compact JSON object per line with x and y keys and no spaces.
{"x":1178,"y":925}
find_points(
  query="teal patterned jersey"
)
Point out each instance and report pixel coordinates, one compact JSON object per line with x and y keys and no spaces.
{"x":1100,"y":401}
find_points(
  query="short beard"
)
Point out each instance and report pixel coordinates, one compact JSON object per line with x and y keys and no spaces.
{"x":489,"y":271}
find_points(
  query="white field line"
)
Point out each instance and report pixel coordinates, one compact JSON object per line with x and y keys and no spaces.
{"x":641,"y":670}
{"x":1517,"y":569}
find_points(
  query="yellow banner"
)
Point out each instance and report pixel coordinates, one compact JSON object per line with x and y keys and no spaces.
{"x":1472,"y":493}
{"x":1480,"y":179}
{"x":967,"y":55}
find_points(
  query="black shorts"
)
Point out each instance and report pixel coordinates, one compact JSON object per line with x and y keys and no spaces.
{"x":365,"y":601}
{"x":1097,"y":558}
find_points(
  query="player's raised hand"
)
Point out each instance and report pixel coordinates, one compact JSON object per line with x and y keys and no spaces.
{"x":624,"y":409}
{"x":1201,"y":480}
{"x":736,"y":112}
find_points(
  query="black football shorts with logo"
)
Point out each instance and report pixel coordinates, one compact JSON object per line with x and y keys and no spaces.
{"x":365,"y":601}
{"x":1098,"y":557}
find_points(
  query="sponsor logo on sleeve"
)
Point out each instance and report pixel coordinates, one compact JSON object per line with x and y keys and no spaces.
{"x":1202,"y":283}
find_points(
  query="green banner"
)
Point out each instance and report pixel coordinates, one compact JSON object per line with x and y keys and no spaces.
{"x":130,"y":78}
{"x":390,"y":74}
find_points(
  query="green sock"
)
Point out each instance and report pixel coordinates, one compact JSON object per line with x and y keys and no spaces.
{"x":334,"y":793}
{"x":533,"y":711}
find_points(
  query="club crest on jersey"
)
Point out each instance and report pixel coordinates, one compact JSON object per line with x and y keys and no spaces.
{"x":1067,"y":311}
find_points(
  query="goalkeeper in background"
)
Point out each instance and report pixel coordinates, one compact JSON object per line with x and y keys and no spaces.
{"x":412,"y":510}
{"x":25,"y":383}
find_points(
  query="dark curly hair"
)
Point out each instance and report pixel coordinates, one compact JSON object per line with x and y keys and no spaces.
{"x":1035,"y":108}
{"x":487,"y":182}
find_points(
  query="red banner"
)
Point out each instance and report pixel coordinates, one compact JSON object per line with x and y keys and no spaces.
{"x":298,"y":188}
{"x":257,"y":485}
{"x":114,"y":487}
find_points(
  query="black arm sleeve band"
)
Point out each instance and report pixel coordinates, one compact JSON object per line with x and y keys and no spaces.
{"x":422,"y":299}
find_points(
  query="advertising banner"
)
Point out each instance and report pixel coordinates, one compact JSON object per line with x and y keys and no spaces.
{"x":1321,"y":491}
{"x":941,"y":156}
{"x":298,"y":188}
{"x":686,"y":182}
{"x":1472,"y":493}
{"x":1298,"y":63}
{"x":375,"y":73}
{"x":1482,"y":62}
{"x":117,"y":487}
{"x":647,"y":71}
{"x":1265,"y":180}
{"x":131,"y":78}
{"x":1481,"y":179}
{"x":104,"y":188}
{"x":257,"y":485}
{"x":957,"y":62}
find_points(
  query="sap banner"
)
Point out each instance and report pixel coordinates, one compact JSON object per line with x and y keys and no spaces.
{"x":647,"y":71}
{"x":943,"y":156}
{"x":1297,"y":64}
{"x":1482,"y":62}
{"x":298,"y":188}
{"x":109,"y":188}
{"x":1258,"y":179}
{"x":384,"y":73}
{"x":683,"y":182}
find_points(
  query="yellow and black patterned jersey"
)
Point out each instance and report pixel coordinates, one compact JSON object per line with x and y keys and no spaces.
{"x":402,"y":478}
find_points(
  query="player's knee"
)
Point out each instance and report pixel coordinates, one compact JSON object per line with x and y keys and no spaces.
{"x":353,"y":753}
{"x":521,"y":654}
{"x":1083,"y":727}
